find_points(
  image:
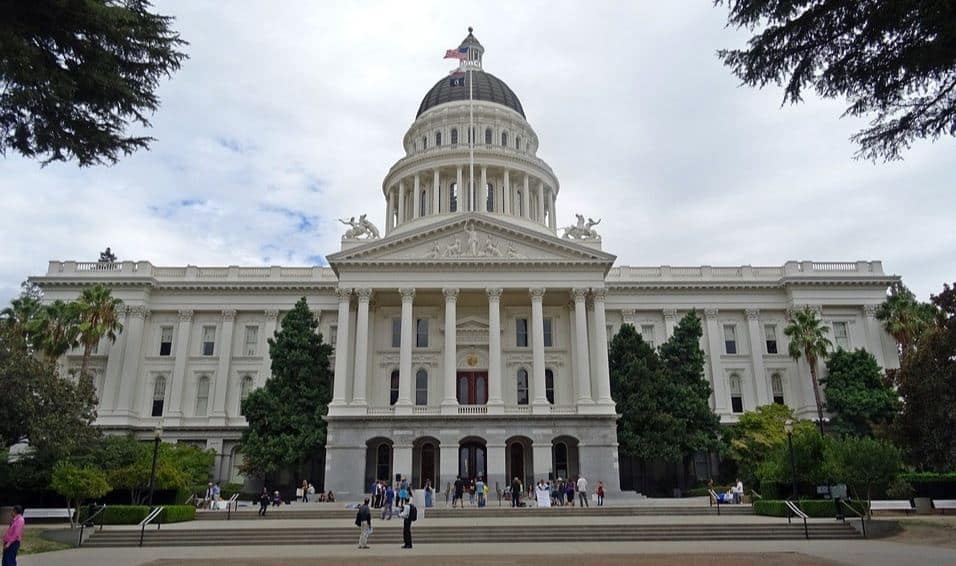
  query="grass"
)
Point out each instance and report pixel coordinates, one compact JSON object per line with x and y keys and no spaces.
{"x":34,"y":543}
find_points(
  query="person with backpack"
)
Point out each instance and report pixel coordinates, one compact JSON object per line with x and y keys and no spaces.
{"x":363,"y":519}
{"x":410,"y":514}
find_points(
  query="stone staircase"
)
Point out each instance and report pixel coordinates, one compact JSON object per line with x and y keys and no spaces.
{"x":493,"y":511}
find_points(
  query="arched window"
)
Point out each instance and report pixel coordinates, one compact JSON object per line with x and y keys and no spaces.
{"x":736,"y":394}
{"x":519,"y":203}
{"x":424,"y":142}
{"x":776,"y":384}
{"x":437,"y":139}
{"x":421,"y":387}
{"x":549,"y":385}
{"x":393,"y":388}
{"x":383,"y":461}
{"x":490,"y":201}
{"x":518,"y":143}
{"x":504,"y":139}
{"x":454,"y":136}
{"x":488,"y":136}
{"x":453,"y":197}
{"x":561,"y":460}
{"x":202,"y":396}
{"x":159,"y":395}
{"x":522,"y":386}
{"x":245,"y":388}
{"x":423,"y":203}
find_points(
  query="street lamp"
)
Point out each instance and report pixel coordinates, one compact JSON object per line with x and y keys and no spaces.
{"x":157,"y":436}
{"x":788,"y":426}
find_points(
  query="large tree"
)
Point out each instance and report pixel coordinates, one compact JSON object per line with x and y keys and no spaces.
{"x":859,"y":396}
{"x":97,"y":317}
{"x":905,"y":318}
{"x":755,"y":435}
{"x":892,"y":61}
{"x":286,"y":416}
{"x":808,"y":339}
{"x":926,"y":427}
{"x":76,"y":74}
{"x":54,"y":330}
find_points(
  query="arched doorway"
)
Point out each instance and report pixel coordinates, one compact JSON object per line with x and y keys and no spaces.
{"x":472,"y":459}
{"x":564,"y":457}
{"x":425,"y":463}
{"x":519,"y":462}
{"x":378,"y":461}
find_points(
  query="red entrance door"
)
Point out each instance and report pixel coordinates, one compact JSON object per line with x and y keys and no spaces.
{"x":472,"y":387}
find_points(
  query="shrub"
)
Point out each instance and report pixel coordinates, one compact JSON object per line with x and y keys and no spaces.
{"x":178,"y":514}
{"x":133,"y":514}
{"x":812,"y":507}
{"x":702,"y":491}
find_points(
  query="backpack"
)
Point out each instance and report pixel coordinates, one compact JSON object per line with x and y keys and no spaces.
{"x":412,"y":513}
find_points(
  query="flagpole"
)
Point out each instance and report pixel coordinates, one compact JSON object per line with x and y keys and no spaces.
{"x":471,"y":138}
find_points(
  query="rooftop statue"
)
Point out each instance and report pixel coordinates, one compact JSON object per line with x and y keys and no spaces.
{"x":361,"y":229}
{"x":582,"y":230}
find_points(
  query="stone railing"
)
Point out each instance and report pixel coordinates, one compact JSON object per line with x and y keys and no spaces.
{"x":146,"y":270}
{"x":796,"y":269}
{"x":472,"y":409}
{"x":380,"y":411}
{"x":426,"y":410}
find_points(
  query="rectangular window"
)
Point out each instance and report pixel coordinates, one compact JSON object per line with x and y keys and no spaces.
{"x":521,"y":332}
{"x":165,"y":340}
{"x":610,"y":334}
{"x":333,"y":336}
{"x":841,"y":337}
{"x":647,"y":333}
{"x":730,"y":338}
{"x":776,"y":385}
{"x":252,"y":340}
{"x":421,"y":333}
{"x":770,"y":332}
{"x":208,"y":340}
{"x":202,"y":397}
{"x":736,"y":394}
{"x":396,"y":333}
{"x":548,"y":333}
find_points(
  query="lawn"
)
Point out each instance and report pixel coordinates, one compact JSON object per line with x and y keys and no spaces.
{"x":33,"y":543}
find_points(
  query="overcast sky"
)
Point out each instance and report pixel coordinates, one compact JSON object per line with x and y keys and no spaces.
{"x":289,"y":114}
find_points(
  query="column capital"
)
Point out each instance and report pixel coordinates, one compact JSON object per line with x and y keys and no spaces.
{"x":344,"y":293}
{"x":271,"y":314}
{"x":537,"y":293}
{"x":818,"y":309}
{"x":451,"y":294}
{"x":710,"y":312}
{"x":600,"y":295}
{"x":869,"y":311}
{"x":494,"y":293}
{"x":670,"y":314}
{"x":752,"y":314}
{"x":138,"y":311}
{"x":228,"y":315}
{"x":408,"y":294}
{"x":185,"y":315}
{"x":579,"y":294}
{"x":364,"y":295}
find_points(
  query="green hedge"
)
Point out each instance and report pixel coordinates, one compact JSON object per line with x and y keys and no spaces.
{"x":133,"y":514}
{"x":812,"y":507}
{"x":702,"y":491}
{"x":927,"y":477}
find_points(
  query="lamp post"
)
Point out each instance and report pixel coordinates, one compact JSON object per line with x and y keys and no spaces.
{"x":788,"y":426}
{"x":157,"y":436}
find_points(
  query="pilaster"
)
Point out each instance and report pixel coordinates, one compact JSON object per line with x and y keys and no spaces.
{"x":450,"y":363}
{"x":404,"y":404}
{"x":223,"y":367}
{"x":361,"y":347}
{"x":495,"y":402}
{"x":756,"y":355}
{"x":341,"y":348}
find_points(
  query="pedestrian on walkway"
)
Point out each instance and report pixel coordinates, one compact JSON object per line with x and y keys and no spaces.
{"x":569,"y":491}
{"x":409,"y":513}
{"x":363,"y":519}
{"x":739,"y":491}
{"x":515,"y":492}
{"x":263,"y":501}
{"x":459,"y":492}
{"x":387,"y":500}
{"x":13,"y":536}
{"x":583,"y":492}
{"x":480,"y":492}
{"x":429,"y":493}
{"x":600,"y":494}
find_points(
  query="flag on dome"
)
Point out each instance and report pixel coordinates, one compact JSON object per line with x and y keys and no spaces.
{"x":460,"y":53}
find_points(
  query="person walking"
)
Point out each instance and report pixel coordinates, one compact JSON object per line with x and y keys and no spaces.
{"x":409,"y":514}
{"x":387,"y":500}
{"x":515,"y":492}
{"x":207,"y":498}
{"x":459,"y":492}
{"x":429,"y":492}
{"x":480,"y":492}
{"x":403,"y":493}
{"x":583,"y":492}
{"x":263,"y":501}
{"x":13,"y":536}
{"x":363,"y":519}
{"x":739,"y":491}
{"x":569,"y":491}
{"x":600,"y":494}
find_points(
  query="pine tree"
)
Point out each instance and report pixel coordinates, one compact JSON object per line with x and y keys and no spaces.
{"x":286,"y":424}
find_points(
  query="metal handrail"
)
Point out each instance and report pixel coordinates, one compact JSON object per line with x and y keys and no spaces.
{"x":90,"y":521}
{"x":792,"y":508}
{"x":149,"y":519}
{"x":715,"y":499}
{"x":229,"y":503}
{"x":857,"y":513}
{"x":753,"y":493}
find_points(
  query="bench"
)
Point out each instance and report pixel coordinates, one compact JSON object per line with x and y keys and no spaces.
{"x":944,"y":504}
{"x":47,"y":513}
{"x":891,"y":505}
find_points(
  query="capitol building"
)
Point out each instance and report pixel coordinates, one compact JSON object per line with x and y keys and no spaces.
{"x":471,"y":331}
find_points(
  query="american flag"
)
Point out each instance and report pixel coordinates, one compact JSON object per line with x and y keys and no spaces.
{"x":460,"y":53}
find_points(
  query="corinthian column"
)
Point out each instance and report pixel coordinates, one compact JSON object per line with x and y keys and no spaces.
{"x":756,"y":357}
{"x":495,"y":403}
{"x":404,"y":404}
{"x":361,"y":347}
{"x":450,"y":363}
{"x":600,"y":339}
{"x":436,"y":192}
{"x":223,"y":367}
{"x":581,"y":346}
{"x":540,"y":403}
{"x":341,"y":348}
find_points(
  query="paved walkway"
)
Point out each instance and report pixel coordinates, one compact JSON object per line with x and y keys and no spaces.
{"x":870,"y":553}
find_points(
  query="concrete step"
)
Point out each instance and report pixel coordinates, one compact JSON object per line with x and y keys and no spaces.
{"x":465,"y":534}
{"x":469,"y":512}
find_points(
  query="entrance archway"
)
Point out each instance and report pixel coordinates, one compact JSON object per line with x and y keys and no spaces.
{"x":519,"y":462}
{"x":564,"y":457}
{"x":425,"y":461}
{"x":378,"y":460}
{"x":472,"y":459}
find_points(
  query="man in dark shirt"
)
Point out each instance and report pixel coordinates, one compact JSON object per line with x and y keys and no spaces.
{"x":515,"y":492}
{"x":459,"y":492}
{"x":363,"y":519}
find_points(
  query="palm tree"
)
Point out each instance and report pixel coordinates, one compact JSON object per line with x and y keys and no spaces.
{"x":98,"y":317}
{"x":54,"y":329}
{"x":905,"y":318}
{"x":808,"y":338}
{"x":19,"y":315}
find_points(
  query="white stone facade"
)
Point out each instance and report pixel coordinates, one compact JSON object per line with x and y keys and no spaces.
{"x":468,"y":341}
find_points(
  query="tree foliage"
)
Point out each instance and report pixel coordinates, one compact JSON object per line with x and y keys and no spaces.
{"x":892,"y":61}
{"x":755,"y":435}
{"x":809,"y":448}
{"x":97,"y":317}
{"x":905,"y":318}
{"x":77,"y":484}
{"x":286,"y":416}
{"x":808,"y":338}
{"x":859,"y":396}
{"x":664,"y":399}
{"x":177,"y":466}
{"x":926,"y":426}
{"x":75,"y":75}
{"x":863,"y":463}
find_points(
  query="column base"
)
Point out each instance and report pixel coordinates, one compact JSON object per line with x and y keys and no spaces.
{"x":541,"y":409}
{"x":449,"y":410}
{"x":403,"y":409}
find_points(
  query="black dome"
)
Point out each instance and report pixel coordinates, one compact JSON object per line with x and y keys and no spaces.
{"x":487,"y":87}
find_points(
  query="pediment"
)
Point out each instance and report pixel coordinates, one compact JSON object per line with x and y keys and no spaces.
{"x":471,"y":238}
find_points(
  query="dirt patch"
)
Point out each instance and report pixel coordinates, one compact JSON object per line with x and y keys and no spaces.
{"x":754,"y":559}
{"x":935,"y":532}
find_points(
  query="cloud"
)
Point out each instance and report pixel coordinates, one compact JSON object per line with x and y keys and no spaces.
{"x":288,"y":116}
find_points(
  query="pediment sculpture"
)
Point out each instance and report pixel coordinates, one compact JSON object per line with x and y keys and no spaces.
{"x":470,"y":245}
{"x":582,"y":230}
{"x":361,"y":229}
